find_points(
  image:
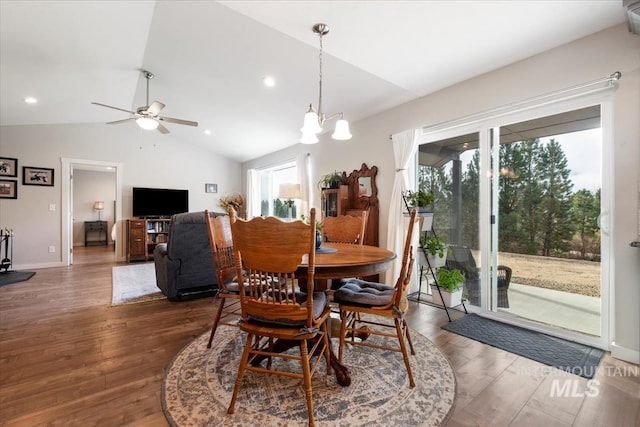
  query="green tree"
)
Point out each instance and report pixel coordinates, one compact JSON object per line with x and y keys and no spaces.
{"x":530,"y":190}
{"x":470,"y":205}
{"x":512,"y":236}
{"x":556,"y":200}
{"x":585,"y":208}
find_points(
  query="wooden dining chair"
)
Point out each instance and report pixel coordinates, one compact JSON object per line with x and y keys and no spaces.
{"x":228,"y":311}
{"x":269,"y":252}
{"x":361,"y":302}
{"x":345,"y":228}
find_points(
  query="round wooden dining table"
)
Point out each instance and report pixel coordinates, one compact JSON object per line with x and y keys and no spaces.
{"x":339,"y":261}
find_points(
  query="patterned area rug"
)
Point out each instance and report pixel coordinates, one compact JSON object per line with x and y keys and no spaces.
{"x":199,"y":382}
{"x":134,"y":283}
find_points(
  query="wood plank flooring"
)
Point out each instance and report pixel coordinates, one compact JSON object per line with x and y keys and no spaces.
{"x":67,"y":358}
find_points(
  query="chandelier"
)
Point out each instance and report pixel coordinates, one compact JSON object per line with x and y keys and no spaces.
{"x":313,"y":121}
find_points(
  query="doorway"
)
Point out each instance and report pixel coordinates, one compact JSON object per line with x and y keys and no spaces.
{"x":68,"y":216}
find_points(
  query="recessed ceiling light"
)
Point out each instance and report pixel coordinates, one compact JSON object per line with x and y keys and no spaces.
{"x":269,"y":81}
{"x":207,"y":132}
{"x":30,"y":100}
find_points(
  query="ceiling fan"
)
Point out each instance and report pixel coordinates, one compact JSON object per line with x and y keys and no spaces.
{"x":148,"y":117}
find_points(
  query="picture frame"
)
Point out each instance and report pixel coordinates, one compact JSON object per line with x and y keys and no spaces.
{"x":8,"y":167}
{"x":37,"y":176}
{"x":211,"y":188}
{"x":8,"y":189}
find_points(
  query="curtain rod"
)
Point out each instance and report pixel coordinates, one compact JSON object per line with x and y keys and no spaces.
{"x":612,"y":79}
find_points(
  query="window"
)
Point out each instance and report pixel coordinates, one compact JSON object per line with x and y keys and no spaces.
{"x":269,"y":181}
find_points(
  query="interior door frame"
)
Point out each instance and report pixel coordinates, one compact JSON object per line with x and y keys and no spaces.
{"x":484,"y":124}
{"x":68,"y":165}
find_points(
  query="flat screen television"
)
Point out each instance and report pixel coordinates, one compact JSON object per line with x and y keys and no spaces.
{"x":159,"y":202}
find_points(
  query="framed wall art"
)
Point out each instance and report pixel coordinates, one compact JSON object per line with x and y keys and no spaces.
{"x":211,"y":188}
{"x":8,"y":189}
{"x":37,"y":176}
{"x":8,"y":167}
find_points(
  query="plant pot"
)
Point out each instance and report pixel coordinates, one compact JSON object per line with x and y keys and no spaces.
{"x":434,"y":260}
{"x":449,"y":299}
{"x":427,"y":222}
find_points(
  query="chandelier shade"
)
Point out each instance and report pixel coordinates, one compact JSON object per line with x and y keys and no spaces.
{"x":341,"y":132}
{"x":313,"y":121}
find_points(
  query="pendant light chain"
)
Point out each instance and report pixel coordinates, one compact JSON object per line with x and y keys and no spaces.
{"x":320,"y":115}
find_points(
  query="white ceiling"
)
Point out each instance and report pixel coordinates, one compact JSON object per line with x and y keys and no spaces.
{"x":209,"y":58}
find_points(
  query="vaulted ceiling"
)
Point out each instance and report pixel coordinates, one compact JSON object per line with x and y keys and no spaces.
{"x":209,"y":58}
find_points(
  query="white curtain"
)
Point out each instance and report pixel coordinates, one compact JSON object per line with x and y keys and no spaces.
{"x":303,"y":167}
{"x":253,"y":194}
{"x":405,"y":145}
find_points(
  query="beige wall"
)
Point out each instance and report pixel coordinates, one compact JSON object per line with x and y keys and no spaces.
{"x":148,"y":159}
{"x":587,"y":59}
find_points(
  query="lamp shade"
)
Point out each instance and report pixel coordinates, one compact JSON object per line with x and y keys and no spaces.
{"x":146,"y":123}
{"x":341,"y":131}
{"x":289,"y":191}
{"x":98,"y":206}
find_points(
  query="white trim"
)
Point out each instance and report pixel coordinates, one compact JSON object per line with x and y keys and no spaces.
{"x":623,"y":353}
{"x":36,"y":266}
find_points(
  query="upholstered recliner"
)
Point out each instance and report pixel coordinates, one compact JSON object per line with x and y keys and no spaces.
{"x":184,"y":265}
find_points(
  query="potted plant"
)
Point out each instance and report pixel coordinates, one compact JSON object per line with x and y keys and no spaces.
{"x":423,"y":203}
{"x":450,"y":284}
{"x":435,"y":249}
{"x":332,"y":180}
{"x":421,"y":200}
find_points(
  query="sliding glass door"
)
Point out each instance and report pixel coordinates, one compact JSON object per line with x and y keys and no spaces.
{"x":519,"y":199}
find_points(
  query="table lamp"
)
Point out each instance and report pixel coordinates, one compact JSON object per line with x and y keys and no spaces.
{"x":98,"y":206}
{"x":289,"y":192}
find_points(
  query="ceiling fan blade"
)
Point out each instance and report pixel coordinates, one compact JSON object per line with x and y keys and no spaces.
{"x":115,"y":108}
{"x":120,"y":121}
{"x":178,"y":121}
{"x":155,"y":108}
{"x":162,"y":129}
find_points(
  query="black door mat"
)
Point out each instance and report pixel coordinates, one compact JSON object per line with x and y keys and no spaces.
{"x":568,"y":356}
{"x":10,"y":277}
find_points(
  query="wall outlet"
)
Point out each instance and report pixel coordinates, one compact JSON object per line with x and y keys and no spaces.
{"x":52,"y":249}
{"x":52,"y":207}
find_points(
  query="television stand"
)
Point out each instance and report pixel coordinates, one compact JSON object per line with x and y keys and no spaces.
{"x":143,"y":235}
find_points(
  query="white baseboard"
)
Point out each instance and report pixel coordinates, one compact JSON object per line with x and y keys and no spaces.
{"x":36,"y":266}
{"x":624,"y":353}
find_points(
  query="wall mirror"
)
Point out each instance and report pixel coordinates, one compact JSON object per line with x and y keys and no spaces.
{"x":364,"y":186}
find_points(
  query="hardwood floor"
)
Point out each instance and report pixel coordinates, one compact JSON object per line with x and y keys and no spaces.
{"x":68,"y":358}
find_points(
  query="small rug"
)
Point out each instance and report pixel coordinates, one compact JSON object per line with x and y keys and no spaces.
{"x":198,"y":384}
{"x":10,"y":277}
{"x":134,"y":283}
{"x":568,"y":356}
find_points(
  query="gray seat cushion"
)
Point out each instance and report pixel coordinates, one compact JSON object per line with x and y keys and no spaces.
{"x":361,"y":292}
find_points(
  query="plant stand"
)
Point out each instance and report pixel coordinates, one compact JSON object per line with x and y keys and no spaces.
{"x":430,"y":270}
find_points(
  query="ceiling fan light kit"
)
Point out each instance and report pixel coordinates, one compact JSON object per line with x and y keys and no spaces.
{"x":147,"y":123}
{"x":148,"y":117}
{"x":313,"y":121}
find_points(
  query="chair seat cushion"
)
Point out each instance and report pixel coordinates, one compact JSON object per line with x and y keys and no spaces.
{"x":320,"y":301}
{"x":361,"y":292}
